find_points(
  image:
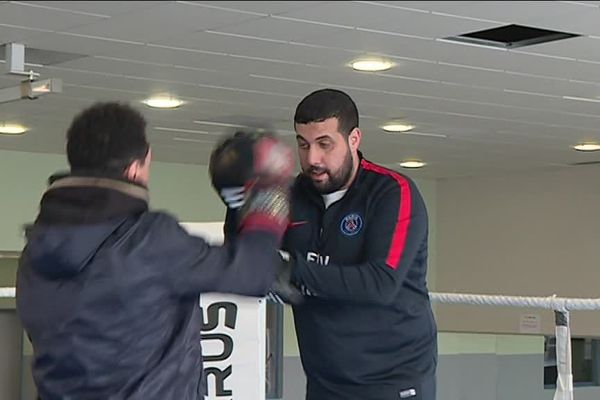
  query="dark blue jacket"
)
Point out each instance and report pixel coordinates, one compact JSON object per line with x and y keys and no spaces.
{"x":108,"y":293}
{"x":368,"y":331}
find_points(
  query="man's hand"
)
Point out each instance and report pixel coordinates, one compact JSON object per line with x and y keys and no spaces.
{"x":284,"y":291}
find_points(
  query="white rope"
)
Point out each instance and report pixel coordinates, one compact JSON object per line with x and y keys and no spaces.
{"x":551,"y":302}
{"x":7,"y":292}
{"x":564,"y":388}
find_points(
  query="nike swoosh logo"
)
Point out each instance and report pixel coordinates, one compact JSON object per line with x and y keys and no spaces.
{"x":297,"y":223}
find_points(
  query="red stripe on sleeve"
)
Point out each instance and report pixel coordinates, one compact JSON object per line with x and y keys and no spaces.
{"x":403,"y":220}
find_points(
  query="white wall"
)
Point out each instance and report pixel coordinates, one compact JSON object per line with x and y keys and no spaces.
{"x":182,"y":189}
{"x":529,"y":234}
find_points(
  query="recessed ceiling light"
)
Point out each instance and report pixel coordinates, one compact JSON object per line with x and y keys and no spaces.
{"x":412,"y":164}
{"x":10,"y":129}
{"x":397,"y":127}
{"x":587,"y":147}
{"x":371,"y":65}
{"x":163,"y":101}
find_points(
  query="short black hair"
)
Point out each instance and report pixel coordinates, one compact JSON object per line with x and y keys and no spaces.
{"x":328,"y":103}
{"x":106,"y":137}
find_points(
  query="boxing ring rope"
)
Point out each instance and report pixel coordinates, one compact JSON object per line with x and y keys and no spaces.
{"x":550,"y":302}
{"x":7,"y":292}
{"x":561,"y":306}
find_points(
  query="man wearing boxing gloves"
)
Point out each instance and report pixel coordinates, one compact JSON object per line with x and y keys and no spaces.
{"x":107,"y":290}
{"x":357,"y":244}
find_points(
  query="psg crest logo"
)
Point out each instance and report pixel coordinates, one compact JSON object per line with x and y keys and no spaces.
{"x":351,"y":224}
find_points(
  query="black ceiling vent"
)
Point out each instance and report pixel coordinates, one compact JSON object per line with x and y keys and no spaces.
{"x":511,"y":36}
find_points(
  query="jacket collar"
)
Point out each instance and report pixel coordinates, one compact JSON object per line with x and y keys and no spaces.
{"x":126,"y":188}
{"x":78,"y":199}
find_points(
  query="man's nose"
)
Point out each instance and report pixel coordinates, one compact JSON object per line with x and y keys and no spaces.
{"x":314,"y":157}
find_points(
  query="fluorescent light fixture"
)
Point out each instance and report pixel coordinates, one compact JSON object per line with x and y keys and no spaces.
{"x":581,"y":99}
{"x":216,"y":123}
{"x":12,"y":129}
{"x":436,"y":135}
{"x":397,"y":127}
{"x":41,"y":87}
{"x":167,"y":129}
{"x":413,"y":164}
{"x":587,"y":147}
{"x":163,"y":101}
{"x":30,"y":89}
{"x":371,"y":65}
{"x":180,"y":139}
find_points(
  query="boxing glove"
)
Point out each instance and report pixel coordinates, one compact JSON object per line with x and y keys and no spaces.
{"x":244,"y":159}
{"x":251,"y":174}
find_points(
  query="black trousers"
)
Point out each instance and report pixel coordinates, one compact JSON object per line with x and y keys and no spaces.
{"x":421,"y":389}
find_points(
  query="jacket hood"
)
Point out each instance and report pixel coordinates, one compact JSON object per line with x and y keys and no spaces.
{"x":61,"y":251}
{"x":77,"y":216}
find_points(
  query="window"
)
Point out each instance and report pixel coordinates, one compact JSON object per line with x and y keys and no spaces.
{"x":585,"y":353}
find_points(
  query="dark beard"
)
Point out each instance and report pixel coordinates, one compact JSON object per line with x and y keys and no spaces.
{"x":335,"y":181}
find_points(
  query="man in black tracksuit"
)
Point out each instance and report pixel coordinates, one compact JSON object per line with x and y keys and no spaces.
{"x":358,"y":245}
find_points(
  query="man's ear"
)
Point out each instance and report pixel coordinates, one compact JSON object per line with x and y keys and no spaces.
{"x":354,"y":139}
{"x":132,"y":171}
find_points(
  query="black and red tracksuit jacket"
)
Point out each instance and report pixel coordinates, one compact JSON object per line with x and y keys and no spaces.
{"x":367,"y":330}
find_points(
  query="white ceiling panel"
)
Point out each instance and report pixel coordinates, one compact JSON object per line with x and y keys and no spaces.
{"x":280,"y":52}
{"x":581,"y":25}
{"x":349,"y":14}
{"x":172,"y":18}
{"x":434,"y":6}
{"x":108,"y":8}
{"x":280,"y":29}
{"x":373,"y":42}
{"x":568,"y":17}
{"x":413,"y":90}
{"x":71,"y":77}
{"x":133,"y":79}
{"x":14,"y":34}
{"x":84,"y":45}
{"x":263,"y":7}
{"x":99,"y":65}
{"x":225,"y":93}
{"x":403,"y":21}
{"x":525,"y":12}
{"x":411,"y":48}
{"x":20,"y":14}
{"x":500,"y":111}
{"x":585,"y":71}
{"x":581,"y":47}
{"x":524,"y":61}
